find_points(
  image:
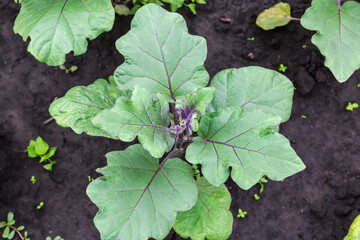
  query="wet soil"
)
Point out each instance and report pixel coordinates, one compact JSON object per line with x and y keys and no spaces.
{"x":319,"y":203}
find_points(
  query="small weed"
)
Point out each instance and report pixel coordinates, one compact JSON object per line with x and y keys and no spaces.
{"x":241,"y":214}
{"x":303,"y":116}
{"x":251,"y":38}
{"x":10,"y":230}
{"x":304,"y":46}
{"x":358,"y":85}
{"x":56,"y":238}
{"x":282,"y":68}
{"x":68,"y":70}
{"x":257,"y":197}
{"x":41,"y":204}
{"x":90,"y":179}
{"x":33,"y":179}
{"x":39,"y":148}
{"x":195,"y":171}
{"x":352,"y":106}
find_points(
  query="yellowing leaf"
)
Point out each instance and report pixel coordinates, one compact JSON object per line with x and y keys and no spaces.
{"x":276,"y":16}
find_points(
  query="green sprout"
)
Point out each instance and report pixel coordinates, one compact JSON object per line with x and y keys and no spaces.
{"x":41,"y":204}
{"x":242,"y":214}
{"x":251,"y":38}
{"x":90,"y":179}
{"x":282,"y":68}
{"x":304,"y":46}
{"x":195,"y":171}
{"x":56,"y":238}
{"x":303,"y":116}
{"x":352,"y":106}
{"x":257,"y":197}
{"x":358,"y":85}
{"x":33,"y":179}
{"x":10,"y":230}
{"x":39,"y":148}
{"x":68,"y":70}
{"x":261,"y":182}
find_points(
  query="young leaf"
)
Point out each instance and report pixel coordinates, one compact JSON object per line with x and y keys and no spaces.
{"x":80,"y":104}
{"x":137,"y":197}
{"x":337,"y":36}
{"x":11,"y":234}
{"x":57,"y":27}
{"x":6,"y":232}
{"x":141,"y":116}
{"x":248,"y":142}
{"x":276,"y":16}
{"x":354,"y":232}
{"x":210,"y":217}
{"x":197,"y":101}
{"x":31,"y":149}
{"x":10,"y":217}
{"x":161,"y":55}
{"x":41,"y":146}
{"x":253,"y":88}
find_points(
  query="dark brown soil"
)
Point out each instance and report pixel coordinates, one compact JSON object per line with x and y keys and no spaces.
{"x":318,"y":203}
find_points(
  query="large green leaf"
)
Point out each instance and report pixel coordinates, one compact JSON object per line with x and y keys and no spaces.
{"x":253,"y":88}
{"x":247,"y":141}
{"x":138,"y":198}
{"x":338,"y":34}
{"x":80,"y":104}
{"x":145,"y":116}
{"x":161,"y":55}
{"x":354,"y":232}
{"x":57,"y":27}
{"x":210,"y":217}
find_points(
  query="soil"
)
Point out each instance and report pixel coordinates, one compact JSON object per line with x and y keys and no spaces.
{"x":319,"y":203}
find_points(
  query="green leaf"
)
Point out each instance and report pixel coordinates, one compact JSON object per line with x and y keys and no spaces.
{"x":161,"y":55}
{"x":49,"y":166}
{"x":354,"y":232}
{"x":248,"y":142}
{"x":6,"y":232}
{"x":20,"y":228}
{"x":57,"y":27}
{"x":337,"y":36}
{"x":12,"y":222}
{"x":197,"y":101}
{"x":10,"y":217}
{"x":210,"y":217}
{"x":2,"y":224}
{"x":253,"y":88}
{"x":50,"y":154}
{"x":11,"y":235}
{"x":122,"y":10}
{"x":144,"y":116}
{"x":41,"y":146}
{"x":276,"y":16}
{"x":31,"y":149}
{"x":138,"y":198}
{"x":81,"y":104}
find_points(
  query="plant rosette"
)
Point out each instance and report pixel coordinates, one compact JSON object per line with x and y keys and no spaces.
{"x":159,"y":96}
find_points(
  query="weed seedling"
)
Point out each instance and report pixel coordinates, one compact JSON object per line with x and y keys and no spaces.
{"x":251,"y":38}
{"x":257,"y":197}
{"x":241,"y":214}
{"x":10,"y":230}
{"x":282,"y":68}
{"x":352,"y":106}
{"x":41,"y":204}
{"x":304,"y":46}
{"x":39,"y":148}
{"x":33,"y":179}
{"x":90,"y":179}
{"x":358,"y":85}
{"x":68,"y":70}
{"x":56,"y":238}
{"x":303,"y":116}
{"x":195,"y":171}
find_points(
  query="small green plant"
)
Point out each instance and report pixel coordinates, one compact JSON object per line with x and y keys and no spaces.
{"x":303,"y":116}
{"x":351,"y":106}
{"x":40,"y":148}
{"x":68,"y":70}
{"x":251,"y":38}
{"x":257,"y":197}
{"x":230,"y":128}
{"x":33,"y":179}
{"x":354,"y":231}
{"x":10,"y":230}
{"x":56,"y":238}
{"x":358,"y":85}
{"x":40,"y":205}
{"x":241,"y":214}
{"x":90,"y":179}
{"x":304,"y":46}
{"x":282,"y":68}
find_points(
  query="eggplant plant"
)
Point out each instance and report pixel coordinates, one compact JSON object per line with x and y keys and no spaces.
{"x":58,"y":27}
{"x":337,"y":29}
{"x":159,"y":95}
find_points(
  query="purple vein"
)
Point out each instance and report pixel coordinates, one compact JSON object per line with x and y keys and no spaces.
{"x":163,"y":59}
{"x":143,"y":125}
{"x":147,"y":114}
{"x":220,"y":128}
{"x":340,"y":36}
{"x":260,"y":95}
{"x":239,"y":159}
{"x":242,"y":133}
{"x":217,"y":157}
{"x":150,"y":55}
{"x":205,"y":206}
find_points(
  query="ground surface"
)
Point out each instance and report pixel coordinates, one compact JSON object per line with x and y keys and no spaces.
{"x":318,"y":203}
